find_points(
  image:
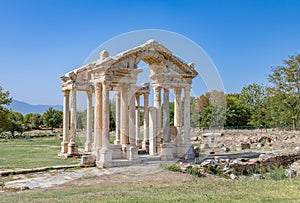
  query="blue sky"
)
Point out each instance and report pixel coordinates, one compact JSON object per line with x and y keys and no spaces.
{"x":40,"y":40}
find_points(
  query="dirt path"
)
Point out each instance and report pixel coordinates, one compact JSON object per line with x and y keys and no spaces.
{"x":149,"y":173}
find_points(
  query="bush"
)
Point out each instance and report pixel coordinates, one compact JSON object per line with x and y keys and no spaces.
{"x":172,"y":167}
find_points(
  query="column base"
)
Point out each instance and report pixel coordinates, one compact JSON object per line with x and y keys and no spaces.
{"x":64,"y":147}
{"x":166,"y":152}
{"x":133,"y":153}
{"x":88,"y":147}
{"x":117,"y":142}
{"x":145,"y":146}
{"x":139,"y":144}
{"x":96,"y":153}
{"x":125,"y":148}
{"x":73,"y":149}
{"x":105,"y":158}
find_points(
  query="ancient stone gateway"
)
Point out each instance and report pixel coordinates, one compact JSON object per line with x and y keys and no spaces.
{"x":119,"y":74}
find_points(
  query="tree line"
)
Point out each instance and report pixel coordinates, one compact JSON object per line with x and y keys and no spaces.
{"x":276,"y":105}
{"x":12,"y":121}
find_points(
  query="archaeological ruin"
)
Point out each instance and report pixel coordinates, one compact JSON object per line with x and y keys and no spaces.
{"x":118,"y":75}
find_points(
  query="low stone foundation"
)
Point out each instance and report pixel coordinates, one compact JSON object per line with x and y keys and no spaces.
{"x":264,"y":162}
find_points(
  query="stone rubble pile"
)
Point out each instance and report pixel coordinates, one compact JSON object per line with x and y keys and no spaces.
{"x":244,"y":166}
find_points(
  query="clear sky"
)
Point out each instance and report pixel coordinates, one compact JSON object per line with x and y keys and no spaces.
{"x":41,"y":40}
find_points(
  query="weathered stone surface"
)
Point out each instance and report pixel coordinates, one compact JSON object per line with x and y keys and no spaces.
{"x":225,"y":149}
{"x":289,"y":173}
{"x":88,"y":160}
{"x":243,"y":146}
{"x":296,"y":167}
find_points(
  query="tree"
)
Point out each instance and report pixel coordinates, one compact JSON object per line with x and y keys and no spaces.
{"x":15,"y":123}
{"x":33,"y":121}
{"x":237,"y":112}
{"x":286,"y":81}
{"x":52,"y":118}
{"x":254,"y":96}
{"x":4,"y":101}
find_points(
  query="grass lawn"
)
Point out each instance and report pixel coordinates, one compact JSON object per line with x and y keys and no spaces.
{"x":198,"y":190}
{"x":36,"y":152}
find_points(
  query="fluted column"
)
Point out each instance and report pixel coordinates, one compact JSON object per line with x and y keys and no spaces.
{"x":88,"y":144}
{"x":166,"y":116}
{"x":146,"y":122}
{"x":105,"y":110}
{"x":98,"y":120}
{"x":177,"y":113}
{"x":157,"y":105}
{"x":72,"y":146}
{"x":105,"y":152}
{"x":132,"y":136}
{"x":118,"y":101}
{"x":64,"y":144}
{"x":124,"y":115}
{"x":187,"y":115}
{"x":137,"y":121}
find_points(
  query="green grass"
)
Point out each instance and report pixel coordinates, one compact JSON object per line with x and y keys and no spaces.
{"x":37,"y":152}
{"x":198,"y":190}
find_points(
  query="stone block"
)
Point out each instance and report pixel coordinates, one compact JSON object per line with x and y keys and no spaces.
{"x":166,"y":152}
{"x":133,"y":153}
{"x":88,"y":160}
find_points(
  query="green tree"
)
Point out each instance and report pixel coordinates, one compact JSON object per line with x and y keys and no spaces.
{"x":286,"y":81}
{"x":4,"y":112}
{"x":52,"y":118}
{"x":237,"y":112}
{"x":254,"y":96}
{"x":33,"y":120}
{"x":15,"y":122}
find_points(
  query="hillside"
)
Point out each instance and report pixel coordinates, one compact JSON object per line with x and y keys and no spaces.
{"x":26,"y":108}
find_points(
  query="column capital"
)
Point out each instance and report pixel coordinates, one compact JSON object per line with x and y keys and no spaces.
{"x":187,"y":88}
{"x":89,"y":92}
{"x":98,"y":85}
{"x":66,"y":92}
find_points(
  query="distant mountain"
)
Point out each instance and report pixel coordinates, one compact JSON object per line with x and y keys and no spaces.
{"x":26,"y":108}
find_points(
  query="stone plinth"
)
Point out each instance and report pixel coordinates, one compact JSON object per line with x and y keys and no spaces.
{"x":64,"y":147}
{"x":133,"y":153}
{"x":105,"y":158}
{"x":88,"y":160}
{"x":145,"y":146}
{"x":116,"y":151}
{"x":166,"y":152}
{"x":73,"y":149}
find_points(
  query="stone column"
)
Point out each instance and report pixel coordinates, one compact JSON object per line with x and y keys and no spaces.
{"x":187,"y":124}
{"x":124,"y":115}
{"x":64,"y":144}
{"x":72,"y":146}
{"x":88,"y":143}
{"x":105,"y":153}
{"x":98,"y":121}
{"x":187,"y":150}
{"x":137,"y":122}
{"x":118,"y":101}
{"x":152,"y":131}
{"x":177,"y":113}
{"x":146,"y":122}
{"x":157,"y":103}
{"x":166,"y":116}
{"x":132,"y":124}
{"x":166,"y":147}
